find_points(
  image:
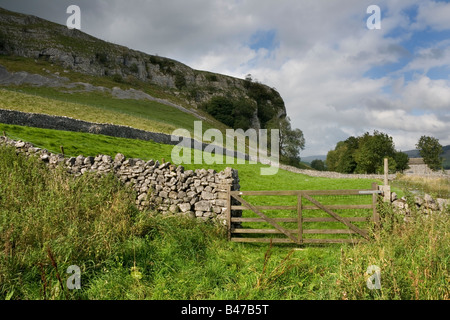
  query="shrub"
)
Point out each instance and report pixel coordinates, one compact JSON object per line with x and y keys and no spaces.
{"x":3,"y":42}
{"x":236,"y":114}
{"x":163,"y":63}
{"x":180,"y":80}
{"x":220,"y":108}
{"x":211,"y":77}
{"x":117,"y":78}
{"x":101,"y":57}
{"x":134,"y":68}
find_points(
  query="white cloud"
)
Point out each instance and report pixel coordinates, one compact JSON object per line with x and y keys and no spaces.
{"x":434,"y":15}
{"x":322,"y":65}
{"x":427,"y":58}
{"x":401,"y":120}
{"x":426,"y":94}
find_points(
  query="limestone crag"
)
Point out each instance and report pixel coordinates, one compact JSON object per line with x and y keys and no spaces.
{"x":32,"y":37}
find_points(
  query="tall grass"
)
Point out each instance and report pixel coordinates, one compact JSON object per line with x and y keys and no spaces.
{"x":413,"y":255}
{"x":50,"y":221}
{"x":436,"y":186}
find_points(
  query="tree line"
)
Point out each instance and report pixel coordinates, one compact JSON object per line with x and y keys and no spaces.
{"x":365,"y":154}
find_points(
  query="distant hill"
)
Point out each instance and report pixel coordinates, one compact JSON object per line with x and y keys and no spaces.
{"x":309,"y":159}
{"x":412,"y":153}
{"x":253,"y":104}
{"x":446,"y":155}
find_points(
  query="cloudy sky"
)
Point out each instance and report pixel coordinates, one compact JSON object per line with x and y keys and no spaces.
{"x":337,"y":77}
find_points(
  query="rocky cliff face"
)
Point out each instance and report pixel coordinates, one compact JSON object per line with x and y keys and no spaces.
{"x":32,"y":37}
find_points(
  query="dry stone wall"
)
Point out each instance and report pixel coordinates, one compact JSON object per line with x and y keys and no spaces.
{"x":162,"y":187}
{"x":44,"y":121}
{"x":422,"y":204}
{"x":335,"y":175}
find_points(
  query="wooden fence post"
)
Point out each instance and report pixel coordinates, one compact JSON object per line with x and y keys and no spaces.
{"x":376,"y":215}
{"x":300,"y":218}
{"x":229,"y":212}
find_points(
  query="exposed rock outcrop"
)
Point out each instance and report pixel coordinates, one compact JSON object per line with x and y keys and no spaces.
{"x":35,"y":38}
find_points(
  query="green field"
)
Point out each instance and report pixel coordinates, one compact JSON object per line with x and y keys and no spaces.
{"x":250,"y":178}
{"x":76,"y":143}
{"x":50,"y":221}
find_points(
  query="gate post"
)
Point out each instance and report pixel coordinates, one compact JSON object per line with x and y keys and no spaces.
{"x":300,"y":219}
{"x":386,"y":187}
{"x":229,"y":212}
{"x":376,"y":215}
{"x":386,"y":171}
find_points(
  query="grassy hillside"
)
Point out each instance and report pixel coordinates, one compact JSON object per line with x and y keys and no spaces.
{"x":250,"y":178}
{"x":249,"y":174}
{"x":100,"y":108}
{"x":45,"y":68}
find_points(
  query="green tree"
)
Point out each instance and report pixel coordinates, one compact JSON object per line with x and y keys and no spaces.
{"x":243,"y":112}
{"x":221,"y":108}
{"x":372,"y":150}
{"x":180,"y":80}
{"x":341,"y":159}
{"x":365,"y":154}
{"x":332,"y":160}
{"x":430,"y":150}
{"x":402,"y":160}
{"x":347,"y":162}
{"x":235,"y":113}
{"x":392,"y":166}
{"x":318,"y":165}
{"x":291,"y":142}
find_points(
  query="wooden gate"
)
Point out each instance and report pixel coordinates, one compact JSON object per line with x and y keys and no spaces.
{"x":306,"y":201}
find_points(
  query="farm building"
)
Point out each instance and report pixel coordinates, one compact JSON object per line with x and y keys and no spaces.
{"x":417,"y":166}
